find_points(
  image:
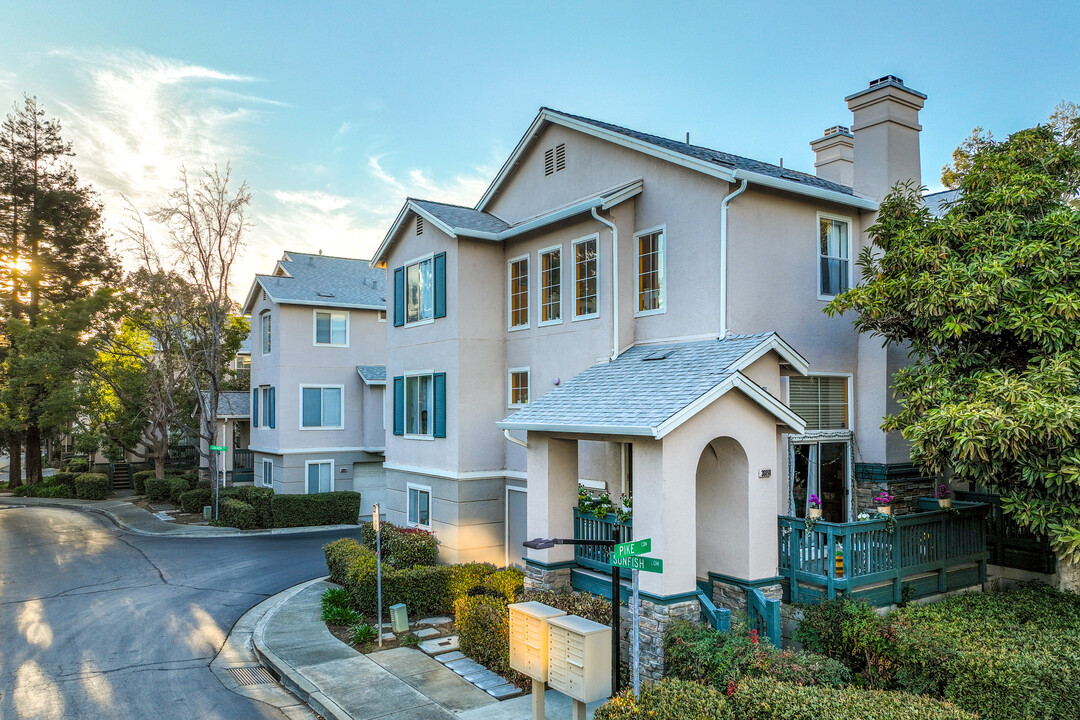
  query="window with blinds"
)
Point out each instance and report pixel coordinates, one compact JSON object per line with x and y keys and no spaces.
{"x":821,"y":401}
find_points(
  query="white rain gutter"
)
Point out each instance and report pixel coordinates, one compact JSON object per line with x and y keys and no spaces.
{"x":614,"y":282}
{"x":794,"y":186}
{"x":511,"y":438}
{"x":723,"y":255}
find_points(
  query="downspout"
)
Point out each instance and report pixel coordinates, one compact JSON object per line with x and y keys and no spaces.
{"x":511,"y":438}
{"x":614,"y":283}
{"x":723,"y":256}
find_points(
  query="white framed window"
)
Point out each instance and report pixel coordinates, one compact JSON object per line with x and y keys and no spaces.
{"x":419,"y":403}
{"x":586,"y":278}
{"x":319,"y":476}
{"x":823,"y":401}
{"x":821,"y":466}
{"x":331,"y":327}
{"x":420,"y":291}
{"x":267,"y":402}
{"x":268,"y":473}
{"x":322,"y":407}
{"x":517,"y":387}
{"x":518,"y":293}
{"x":550,"y":276}
{"x":419,"y":506}
{"x":264,"y":323}
{"x":650,"y":271}
{"x":242,"y":362}
{"x":834,"y":255}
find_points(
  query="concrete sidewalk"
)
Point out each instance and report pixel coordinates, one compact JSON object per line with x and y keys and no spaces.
{"x":400,"y":684}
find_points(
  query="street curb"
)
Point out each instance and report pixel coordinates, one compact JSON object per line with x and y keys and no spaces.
{"x":289,"y":676}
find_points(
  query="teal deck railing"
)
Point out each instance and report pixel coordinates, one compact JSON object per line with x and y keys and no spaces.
{"x":718,"y":618}
{"x":589,"y":527}
{"x":1009,"y":544}
{"x":929,"y":552}
{"x":243,"y":465}
{"x":764,"y":615}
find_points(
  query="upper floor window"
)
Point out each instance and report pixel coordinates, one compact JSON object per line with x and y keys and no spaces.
{"x":420,"y":290}
{"x":242,"y":362}
{"x":269,"y":406}
{"x":519,"y":293}
{"x":650,"y":272}
{"x":586,"y":298}
{"x":419,"y":400}
{"x":322,"y":406}
{"x":518,"y":387}
{"x":834,"y":255}
{"x":332,"y":327}
{"x":420,"y":405}
{"x":550,"y":286}
{"x":821,"y":400}
{"x":264,"y":321}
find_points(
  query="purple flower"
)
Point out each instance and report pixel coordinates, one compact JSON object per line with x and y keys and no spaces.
{"x":814,"y":501}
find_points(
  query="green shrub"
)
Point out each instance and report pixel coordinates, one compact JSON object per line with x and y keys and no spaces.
{"x":236,"y":513}
{"x":467,"y":576}
{"x":764,"y":699}
{"x":78,"y":465}
{"x":158,"y":489}
{"x":402,"y":546}
{"x":261,"y":499}
{"x":138,"y":481}
{"x":43,"y":490}
{"x":333,"y":508}
{"x":483,"y":627}
{"x":63,"y":478}
{"x":849,"y":631}
{"x":507,"y":583}
{"x":92,"y":486}
{"x":177,"y":487}
{"x":586,"y":605}
{"x":334,"y":597}
{"x":669,"y":699}
{"x":340,"y":555}
{"x":193,"y":501}
{"x":340,"y":616}
{"x":362,"y":633}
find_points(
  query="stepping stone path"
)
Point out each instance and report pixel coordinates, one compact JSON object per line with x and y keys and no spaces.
{"x":445,"y":650}
{"x":426,"y":633}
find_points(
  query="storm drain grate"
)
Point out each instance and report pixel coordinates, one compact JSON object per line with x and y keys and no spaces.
{"x":252,"y":676}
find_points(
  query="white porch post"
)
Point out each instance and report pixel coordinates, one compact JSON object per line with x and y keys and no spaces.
{"x":553,"y":482}
{"x":664,"y":511}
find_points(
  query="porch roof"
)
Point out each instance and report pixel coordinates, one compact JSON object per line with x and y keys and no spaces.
{"x":650,"y":390}
{"x":372,"y":374}
{"x":231,"y":404}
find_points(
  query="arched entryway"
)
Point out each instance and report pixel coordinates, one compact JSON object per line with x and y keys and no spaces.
{"x":723,"y":524}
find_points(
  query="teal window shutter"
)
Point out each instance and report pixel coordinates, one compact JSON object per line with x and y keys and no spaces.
{"x":273,"y":406}
{"x":255,"y":407}
{"x":399,"y":297}
{"x":399,"y":405}
{"x":440,"y":405}
{"x":440,"y":285}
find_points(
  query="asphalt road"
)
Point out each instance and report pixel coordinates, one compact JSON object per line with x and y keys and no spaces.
{"x":99,"y":623}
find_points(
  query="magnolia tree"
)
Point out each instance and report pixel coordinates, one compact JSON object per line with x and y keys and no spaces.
{"x":987,"y":299}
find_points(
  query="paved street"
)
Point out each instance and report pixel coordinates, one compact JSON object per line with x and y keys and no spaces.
{"x":99,"y":623}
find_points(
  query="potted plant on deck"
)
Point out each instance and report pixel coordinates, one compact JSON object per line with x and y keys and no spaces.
{"x":944,"y":496}
{"x":884,"y":502}
{"x":814,"y":507}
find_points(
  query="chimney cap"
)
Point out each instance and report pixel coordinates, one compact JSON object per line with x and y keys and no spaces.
{"x":836,"y":130}
{"x":883,"y":82}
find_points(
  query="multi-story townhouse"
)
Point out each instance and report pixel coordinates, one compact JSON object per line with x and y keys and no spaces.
{"x":642,"y":315}
{"x":318,"y":348}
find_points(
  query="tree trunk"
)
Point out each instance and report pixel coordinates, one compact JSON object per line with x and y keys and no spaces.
{"x":33,"y":454}
{"x":159,"y":464}
{"x":15,"y":467}
{"x":1068,"y":576}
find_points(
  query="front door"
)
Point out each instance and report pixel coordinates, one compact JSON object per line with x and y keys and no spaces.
{"x":821,"y":468}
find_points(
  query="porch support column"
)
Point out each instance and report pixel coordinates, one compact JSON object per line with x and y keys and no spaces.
{"x":553,"y":482}
{"x":664,"y":506}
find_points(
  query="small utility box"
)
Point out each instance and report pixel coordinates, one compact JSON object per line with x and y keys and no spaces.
{"x":399,"y":618}
{"x":579,"y":658}
{"x":529,"y":638}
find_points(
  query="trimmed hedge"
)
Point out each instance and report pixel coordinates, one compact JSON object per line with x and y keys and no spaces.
{"x":669,"y":699}
{"x":261,"y":499}
{"x":78,"y":465}
{"x":158,"y":489}
{"x":483,"y":628}
{"x":63,"y":478}
{"x":332,"y":508}
{"x":236,"y":513}
{"x":193,"y":501}
{"x":403,"y":547}
{"x":92,"y":486}
{"x":44,"y":490}
{"x":177,"y":487}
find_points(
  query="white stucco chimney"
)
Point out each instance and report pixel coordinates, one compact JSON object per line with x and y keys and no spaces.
{"x":886,"y":131}
{"x":835,"y":151}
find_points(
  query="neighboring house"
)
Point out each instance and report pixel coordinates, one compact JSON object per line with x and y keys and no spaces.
{"x":646,"y":316}
{"x":233,"y":431}
{"x":318,"y":375}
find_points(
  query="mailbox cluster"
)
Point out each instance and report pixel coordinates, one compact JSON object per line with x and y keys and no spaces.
{"x":571,"y":654}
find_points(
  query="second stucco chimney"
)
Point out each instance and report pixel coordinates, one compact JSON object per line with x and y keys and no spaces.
{"x":835,"y":151}
{"x":886,"y":131}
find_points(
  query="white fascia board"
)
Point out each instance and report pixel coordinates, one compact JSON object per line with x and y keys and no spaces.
{"x":737,"y":381}
{"x":451,"y":475}
{"x":774,"y":343}
{"x":426,"y":214}
{"x":635,"y":430}
{"x":377,"y":258}
{"x":370,"y":382}
{"x":325,"y":303}
{"x":808,"y":190}
{"x":311,"y":451}
{"x":249,"y":302}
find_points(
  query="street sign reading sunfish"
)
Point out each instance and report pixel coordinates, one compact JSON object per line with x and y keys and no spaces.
{"x":645,"y":564}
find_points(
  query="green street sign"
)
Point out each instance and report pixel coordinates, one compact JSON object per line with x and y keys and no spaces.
{"x":638,"y":547}
{"x":220,"y":448}
{"x":645,"y":564}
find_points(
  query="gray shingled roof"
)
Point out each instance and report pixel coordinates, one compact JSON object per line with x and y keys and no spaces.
{"x":326,"y":280}
{"x":636,"y":392}
{"x":463,"y":218}
{"x":233,"y":404}
{"x":372,"y":374}
{"x":714,"y":156}
{"x":935,"y":202}
{"x":245,"y":346}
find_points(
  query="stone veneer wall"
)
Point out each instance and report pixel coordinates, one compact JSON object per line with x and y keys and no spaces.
{"x":541,"y":578}
{"x":901,"y":480}
{"x":733,"y":596}
{"x":654,"y":621}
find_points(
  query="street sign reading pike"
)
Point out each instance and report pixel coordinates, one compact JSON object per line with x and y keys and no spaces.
{"x":646,"y":564}
{"x":638,"y":547}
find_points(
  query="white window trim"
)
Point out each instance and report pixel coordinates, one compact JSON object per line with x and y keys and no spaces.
{"x":381,"y":316}
{"x":573,"y":277}
{"x":300,"y":417}
{"x":405,"y":268}
{"x":266,"y":462}
{"x":817,"y":251}
{"x":540,"y":285}
{"x":421,"y":488}
{"x":315,"y":323}
{"x":264,"y":409}
{"x":662,"y":229}
{"x":510,"y":386}
{"x":405,"y":405}
{"x":309,"y":463}
{"x":262,"y":333}
{"x":506,"y":520}
{"x":510,"y":327}
{"x":850,"y":402}
{"x":816,"y":437}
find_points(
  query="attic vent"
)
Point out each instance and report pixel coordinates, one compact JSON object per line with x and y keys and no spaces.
{"x":322,"y":293}
{"x":659,"y":355}
{"x":419,"y":225}
{"x":560,"y":157}
{"x":264,"y":296}
{"x":549,"y":161}
{"x":555,"y":159}
{"x":886,"y":80}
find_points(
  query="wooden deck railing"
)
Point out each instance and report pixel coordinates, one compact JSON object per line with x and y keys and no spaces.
{"x":1009,"y":544}
{"x":589,"y":527}
{"x":930,"y":552}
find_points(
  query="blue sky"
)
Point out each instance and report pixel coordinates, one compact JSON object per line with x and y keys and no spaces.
{"x":334,"y":112}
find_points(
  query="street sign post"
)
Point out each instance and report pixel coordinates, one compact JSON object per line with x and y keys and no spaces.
{"x":638,"y":547}
{"x":629,"y":555}
{"x":378,"y":564}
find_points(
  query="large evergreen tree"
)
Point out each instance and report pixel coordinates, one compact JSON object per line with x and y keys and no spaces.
{"x":55,"y":272}
{"x":987,"y":298}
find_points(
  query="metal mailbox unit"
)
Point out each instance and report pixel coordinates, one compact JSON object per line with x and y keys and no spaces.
{"x":579,"y":658}
{"x":529,"y":638}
